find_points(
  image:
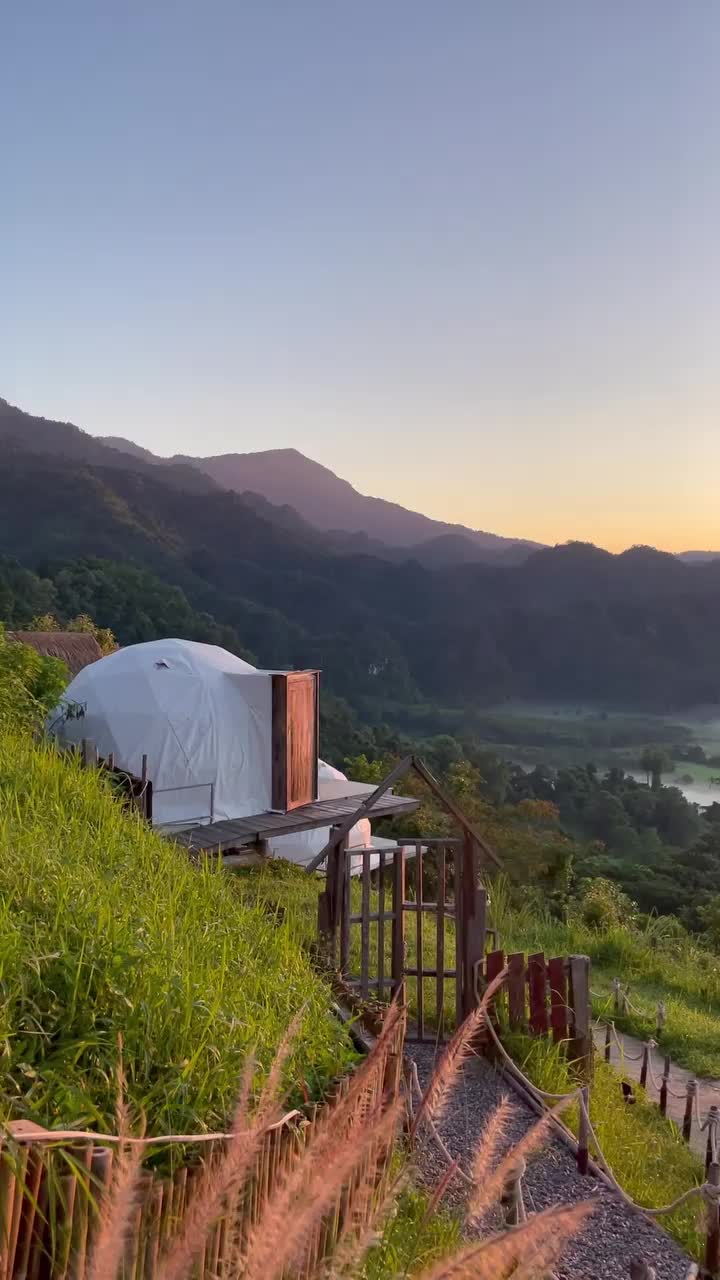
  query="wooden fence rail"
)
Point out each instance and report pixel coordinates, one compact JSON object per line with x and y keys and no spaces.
{"x":51,"y":1195}
{"x":543,"y":997}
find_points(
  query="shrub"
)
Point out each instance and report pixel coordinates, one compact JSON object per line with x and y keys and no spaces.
{"x":30,"y":684}
{"x":603,"y":905}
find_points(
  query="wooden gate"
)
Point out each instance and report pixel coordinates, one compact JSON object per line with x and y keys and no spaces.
{"x":416,"y":921}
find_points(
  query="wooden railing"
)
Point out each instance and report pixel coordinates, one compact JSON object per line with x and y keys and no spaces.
{"x":136,"y":791}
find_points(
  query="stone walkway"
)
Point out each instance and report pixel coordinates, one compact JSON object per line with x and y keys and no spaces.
{"x":627,"y":1059}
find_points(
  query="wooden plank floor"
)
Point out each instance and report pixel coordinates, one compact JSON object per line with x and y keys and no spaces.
{"x":238,"y":832}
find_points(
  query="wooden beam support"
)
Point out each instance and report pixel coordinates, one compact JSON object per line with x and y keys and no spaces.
{"x":423,"y":772}
{"x":361,"y":812}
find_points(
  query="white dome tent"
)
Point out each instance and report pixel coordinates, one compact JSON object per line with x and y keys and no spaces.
{"x":203,"y":718}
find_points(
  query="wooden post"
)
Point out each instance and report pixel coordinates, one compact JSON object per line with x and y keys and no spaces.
{"x":458,"y":896}
{"x":440,"y":945}
{"x":640,"y":1270}
{"x":381,"y":928}
{"x":664,"y":1087}
{"x":644,"y":1066}
{"x":608,"y":1041}
{"x":398,"y":924}
{"x":712,"y":1123}
{"x":537,"y":983}
{"x":365,"y":925}
{"x":616,"y":993}
{"x":689,"y":1100}
{"x":493,"y":968}
{"x":472,"y":921}
{"x":516,"y":991}
{"x":558,"y":999}
{"x":88,"y":754}
{"x":660,"y":1020}
{"x":711,"y":1269}
{"x":580,"y":1048}
{"x":583,"y":1131}
{"x":343,"y":874}
{"x":329,"y":906}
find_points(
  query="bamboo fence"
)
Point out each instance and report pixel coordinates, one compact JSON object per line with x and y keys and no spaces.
{"x":52,"y":1194}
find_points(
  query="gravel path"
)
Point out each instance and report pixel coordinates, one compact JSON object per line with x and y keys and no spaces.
{"x":615,"y":1234}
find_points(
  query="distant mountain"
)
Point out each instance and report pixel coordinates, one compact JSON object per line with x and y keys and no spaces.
{"x":448,"y":619}
{"x":698,"y":557}
{"x":28,"y":432}
{"x":570,"y":623}
{"x":286,"y":477}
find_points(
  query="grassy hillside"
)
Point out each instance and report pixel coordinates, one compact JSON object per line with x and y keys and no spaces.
{"x":108,"y":929}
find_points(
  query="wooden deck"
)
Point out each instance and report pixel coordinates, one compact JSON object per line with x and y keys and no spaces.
{"x":238,"y":833}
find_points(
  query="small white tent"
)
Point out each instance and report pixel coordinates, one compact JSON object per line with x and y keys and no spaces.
{"x":203,"y":718}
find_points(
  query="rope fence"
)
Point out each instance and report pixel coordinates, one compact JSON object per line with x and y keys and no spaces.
{"x":708,"y":1192}
{"x":688,"y":1093}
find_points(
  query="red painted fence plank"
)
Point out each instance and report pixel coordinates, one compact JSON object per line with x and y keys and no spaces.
{"x":516,"y":990}
{"x":537,"y":977}
{"x":558,"y":998}
{"x":494,"y":965}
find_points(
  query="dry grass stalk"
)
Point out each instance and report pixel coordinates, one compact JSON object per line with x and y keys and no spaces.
{"x":486,"y":1193}
{"x":118,"y":1206}
{"x":459,"y":1049}
{"x":354,"y":1244}
{"x":524,"y":1251}
{"x":336,"y":1150}
{"x":341,"y":1140}
{"x":285,"y":1231}
{"x":486,"y":1150}
{"x":337,"y":1165}
{"x":221,"y":1176}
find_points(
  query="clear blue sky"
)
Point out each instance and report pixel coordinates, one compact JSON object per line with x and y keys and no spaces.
{"x":464,"y":253}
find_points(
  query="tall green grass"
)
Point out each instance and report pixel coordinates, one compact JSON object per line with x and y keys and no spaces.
{"x":107,"y":929}
{"x":412,"y":1238}
{"x":655,"y":961}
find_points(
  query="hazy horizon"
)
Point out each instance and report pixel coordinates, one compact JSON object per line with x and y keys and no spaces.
{"x":467,"y":259}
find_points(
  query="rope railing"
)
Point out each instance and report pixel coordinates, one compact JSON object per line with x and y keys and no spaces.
{"x":663,"y":1087}
{"x":36,"y":1136}
{"x":708,"y":1192}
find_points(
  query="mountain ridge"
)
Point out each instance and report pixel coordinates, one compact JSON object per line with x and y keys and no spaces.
{"x":287,"y":477}
{"x":570,"y":622}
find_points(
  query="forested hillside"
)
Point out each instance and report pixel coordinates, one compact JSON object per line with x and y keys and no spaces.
{"x":571,"y":623}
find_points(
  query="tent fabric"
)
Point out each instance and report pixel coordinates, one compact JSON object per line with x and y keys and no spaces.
{"x":203,"y":717}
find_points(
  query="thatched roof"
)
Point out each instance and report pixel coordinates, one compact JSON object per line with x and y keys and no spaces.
{"x":77,"y":649}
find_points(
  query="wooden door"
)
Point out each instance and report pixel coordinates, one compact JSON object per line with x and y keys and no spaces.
{"x":295,"y":739}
